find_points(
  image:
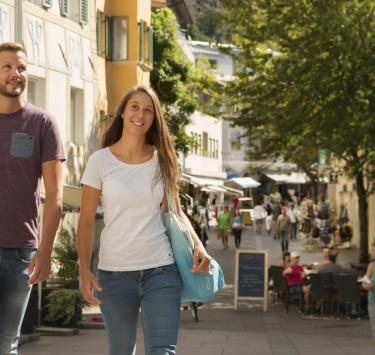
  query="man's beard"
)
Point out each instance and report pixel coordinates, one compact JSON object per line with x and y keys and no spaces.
{"x":12,"y":94}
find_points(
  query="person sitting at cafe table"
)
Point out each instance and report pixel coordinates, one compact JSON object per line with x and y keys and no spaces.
{"x":325,"y":253}
{"x":285,"y":260}
{"x":295,"y":278}
{"x":330,"y":267}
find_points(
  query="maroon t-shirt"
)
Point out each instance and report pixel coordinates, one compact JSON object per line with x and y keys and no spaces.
{"x":294,"y":278}
{"x":28,"y":138}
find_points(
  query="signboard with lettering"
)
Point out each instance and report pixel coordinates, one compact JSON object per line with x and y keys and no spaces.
{"x":251,"y":276}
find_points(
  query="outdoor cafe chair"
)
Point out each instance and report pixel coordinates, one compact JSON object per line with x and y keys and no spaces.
{"x":276,"y":294}
{"x":321,"y":290}
{"x":347,"y":291}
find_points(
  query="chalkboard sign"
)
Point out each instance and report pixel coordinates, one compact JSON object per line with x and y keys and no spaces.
{"x":251,"y":275}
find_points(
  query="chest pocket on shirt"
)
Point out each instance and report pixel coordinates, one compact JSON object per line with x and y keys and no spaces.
{"x":22,"y":145}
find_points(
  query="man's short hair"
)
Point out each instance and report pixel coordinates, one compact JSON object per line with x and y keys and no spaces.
{"x":332,"y":257}
{"x":13,"y":47}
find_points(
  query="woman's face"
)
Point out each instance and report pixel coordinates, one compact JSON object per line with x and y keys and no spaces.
{"x":138,"y":114}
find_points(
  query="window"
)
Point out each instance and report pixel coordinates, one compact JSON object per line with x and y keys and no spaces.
{"x":216,"y":156}
{"x":76,"y":122}
{"x":205,"y":144}
{"x":235,"y":140}
{"x":213,"y":63}
{"x":47,"y":3}
{"x":195,"y":137}
{"x":117,"y":38}
{"x":36,"y":92}
{"x":64,"y":7}
{"x":83,"y":12}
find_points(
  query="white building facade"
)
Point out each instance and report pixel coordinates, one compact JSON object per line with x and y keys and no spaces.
{"x":60,"y":39}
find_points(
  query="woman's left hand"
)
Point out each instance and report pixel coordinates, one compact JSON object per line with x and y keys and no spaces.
{"x":201,"y":262}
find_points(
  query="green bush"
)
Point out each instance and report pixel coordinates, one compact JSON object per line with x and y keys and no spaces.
{"x":64,"y":307}
{"x":65,"y":256}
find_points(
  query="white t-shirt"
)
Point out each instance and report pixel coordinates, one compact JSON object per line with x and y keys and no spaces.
{"x":259,"y":212}
{"x":134,"y":237}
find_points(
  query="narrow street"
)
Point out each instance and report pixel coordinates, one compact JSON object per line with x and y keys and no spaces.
{"x":249,"y":331}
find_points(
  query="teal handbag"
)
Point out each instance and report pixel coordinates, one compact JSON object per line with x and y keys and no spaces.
{"x":196,"y":287}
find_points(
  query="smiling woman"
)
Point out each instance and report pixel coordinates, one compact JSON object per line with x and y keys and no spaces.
{"x":131,"y":173}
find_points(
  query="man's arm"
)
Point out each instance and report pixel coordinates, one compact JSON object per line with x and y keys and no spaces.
{"x":40,"y":265}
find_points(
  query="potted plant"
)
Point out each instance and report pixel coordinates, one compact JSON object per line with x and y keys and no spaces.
{"x":64,"y":307}
{"x":64,"y":302}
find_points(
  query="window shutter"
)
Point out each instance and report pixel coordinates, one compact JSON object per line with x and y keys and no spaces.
{"x":151,"y":46}
{"x":47,"y":3}
{"x":83,"y":12}
{"x":141,"y":41}
{"x":99,"y":33}
{"x":108,"y":41}
{"x":64,"y":7}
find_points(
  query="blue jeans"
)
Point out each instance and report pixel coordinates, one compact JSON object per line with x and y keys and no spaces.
{"x":284,"y":236}
{"x":157,"y":292}
{"x":14,"y":295}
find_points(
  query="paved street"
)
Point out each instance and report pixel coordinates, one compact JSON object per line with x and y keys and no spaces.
{"x":222,"y":331}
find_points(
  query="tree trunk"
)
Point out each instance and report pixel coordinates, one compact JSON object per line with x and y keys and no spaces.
{"x":363,"y":218}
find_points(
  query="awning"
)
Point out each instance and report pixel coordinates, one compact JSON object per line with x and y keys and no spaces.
{"x":202,"y":181}
{"x":246,"y":182}
{"x":293,"y":178}
{"x":212,"y":188}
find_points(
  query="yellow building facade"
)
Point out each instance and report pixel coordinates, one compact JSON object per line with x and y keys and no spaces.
{"x":124,"y":45}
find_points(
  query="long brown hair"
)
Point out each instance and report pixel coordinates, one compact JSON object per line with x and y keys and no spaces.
{"x":158,"y":136}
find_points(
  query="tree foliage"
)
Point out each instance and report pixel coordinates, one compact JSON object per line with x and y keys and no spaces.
{"x":209,"y":21}
{"x":180,"y":84}
{"x":308,"y":81}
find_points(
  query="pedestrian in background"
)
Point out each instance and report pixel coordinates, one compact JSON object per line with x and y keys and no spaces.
{"x":293,"y":214}
{"x":283,"y":228}
{"x":131,"y":174}
{"x":30,"y":149}
{"x":259,"y":215}
{"x":369,"y":285}
{"x":237,"y":227}
{"x":224,"y":218}
{"x":276,"y":211}
{"x":268,"y":218}
{"x":203,"y":225}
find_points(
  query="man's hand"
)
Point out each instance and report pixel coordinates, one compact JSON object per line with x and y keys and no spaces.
{"x":39,"y":267}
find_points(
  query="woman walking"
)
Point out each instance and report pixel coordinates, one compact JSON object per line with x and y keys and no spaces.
{"x":237,"y":226}
{"x":136,"y":270}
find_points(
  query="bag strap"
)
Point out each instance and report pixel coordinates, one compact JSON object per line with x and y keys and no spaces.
{"x":171,"y":201}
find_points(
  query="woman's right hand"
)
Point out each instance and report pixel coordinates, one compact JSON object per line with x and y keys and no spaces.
{"x":87,"y":283}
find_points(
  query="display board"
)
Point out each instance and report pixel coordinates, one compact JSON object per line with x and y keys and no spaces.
{"x":251,"y":276}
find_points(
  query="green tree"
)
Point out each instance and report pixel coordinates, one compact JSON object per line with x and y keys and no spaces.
{"x":308,"y":83}
{"x":182,"y":86}
{"x":209,"y":21}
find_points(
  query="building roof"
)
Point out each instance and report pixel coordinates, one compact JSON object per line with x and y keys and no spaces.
{"x":181,"y":11}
